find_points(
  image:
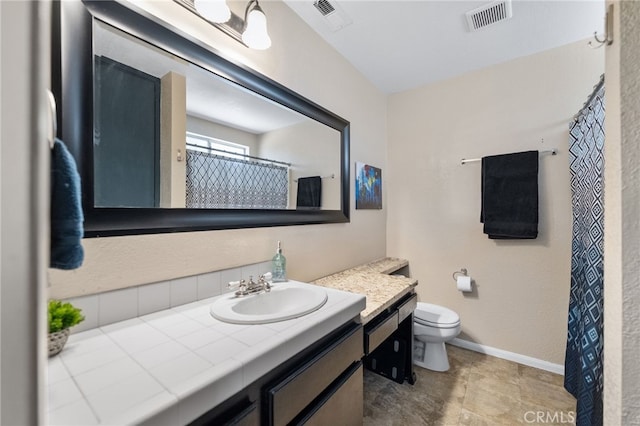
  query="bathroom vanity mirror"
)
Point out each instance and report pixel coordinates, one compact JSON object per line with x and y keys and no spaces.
{"x":170,"y":137}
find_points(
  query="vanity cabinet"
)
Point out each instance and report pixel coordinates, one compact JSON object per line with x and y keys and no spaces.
{"x":388,"y":341}
{"x":321,"y":385}
{"x":388,"y":317}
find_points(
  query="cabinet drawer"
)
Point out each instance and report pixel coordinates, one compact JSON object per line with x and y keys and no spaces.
{"x":290,"y":396}
{"x":407,"y":308}
{"x":377,"y":334}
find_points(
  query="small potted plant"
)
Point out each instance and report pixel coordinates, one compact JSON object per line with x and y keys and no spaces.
{"x":62,"y":316}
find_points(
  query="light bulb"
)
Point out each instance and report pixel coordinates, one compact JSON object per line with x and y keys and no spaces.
{"x":255,"y":35}
{"x":213,"y":10}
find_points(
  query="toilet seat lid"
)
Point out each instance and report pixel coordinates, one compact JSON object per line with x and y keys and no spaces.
{"x":430,"y":314}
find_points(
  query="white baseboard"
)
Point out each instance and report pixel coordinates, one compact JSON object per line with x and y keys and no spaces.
{"x":510,"y":356}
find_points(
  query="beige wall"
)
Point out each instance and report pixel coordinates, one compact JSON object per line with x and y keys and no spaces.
{"x":24,"y":212}
{"x":307,"y":147}
{"x":295,"y":60}
{"x":613,"y":359}
{"x":622,"y":224}
{"x":521,"y":299}
{"x":215,"y":130}
{"x":173,"y":127}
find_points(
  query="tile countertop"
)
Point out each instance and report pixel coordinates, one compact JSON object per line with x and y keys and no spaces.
{"x":170,"y":367}
{"x":373,"y":280}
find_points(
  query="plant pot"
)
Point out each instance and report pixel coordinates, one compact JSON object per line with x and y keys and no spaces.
{"x":57,"y":341}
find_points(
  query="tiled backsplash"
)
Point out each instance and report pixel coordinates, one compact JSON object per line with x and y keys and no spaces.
{"x":119,"y":305}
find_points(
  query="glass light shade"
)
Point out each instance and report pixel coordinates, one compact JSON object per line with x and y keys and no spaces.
{"x":255,"y":34}
{"x":213,"y":10}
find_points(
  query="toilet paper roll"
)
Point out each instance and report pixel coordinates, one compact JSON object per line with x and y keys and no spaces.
{"x":463,"y":283}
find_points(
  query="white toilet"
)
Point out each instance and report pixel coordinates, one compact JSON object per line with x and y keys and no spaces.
{"x":433,"y":325}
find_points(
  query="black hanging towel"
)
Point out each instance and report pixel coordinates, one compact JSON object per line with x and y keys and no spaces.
{"x":510,"y":195}
{"x":309,"y":193}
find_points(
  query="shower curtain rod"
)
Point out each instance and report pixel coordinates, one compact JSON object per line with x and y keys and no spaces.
{"x":239,"y":155}
{"x":472,"y":160}
{"x":596,"y":88}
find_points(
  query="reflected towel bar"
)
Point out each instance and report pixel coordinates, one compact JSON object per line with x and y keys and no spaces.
{"x":470,"y":160}
{"x":331,"y":176}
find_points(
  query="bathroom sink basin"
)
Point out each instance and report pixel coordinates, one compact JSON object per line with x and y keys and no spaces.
{"x":283,"y":302}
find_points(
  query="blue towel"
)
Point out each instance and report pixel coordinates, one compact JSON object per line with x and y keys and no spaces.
{"x":66,"y":210}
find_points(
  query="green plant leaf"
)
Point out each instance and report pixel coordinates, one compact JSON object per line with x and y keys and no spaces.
{"x":63,"y":315}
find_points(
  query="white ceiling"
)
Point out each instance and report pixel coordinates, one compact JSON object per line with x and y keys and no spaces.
{"x":208,"y":96}
{"x":400,"y":45}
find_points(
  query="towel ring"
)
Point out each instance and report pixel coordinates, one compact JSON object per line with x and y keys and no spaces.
{"x":462,"y":271}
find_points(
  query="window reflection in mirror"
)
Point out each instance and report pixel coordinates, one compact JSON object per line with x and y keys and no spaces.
{"x":170,"y":134}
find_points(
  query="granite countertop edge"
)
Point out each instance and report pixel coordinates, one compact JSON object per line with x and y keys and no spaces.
{"x":374,"y":280}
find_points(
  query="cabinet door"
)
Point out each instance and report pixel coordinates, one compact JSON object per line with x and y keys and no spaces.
{"x":343,"y":404}
{"x":247,"y":417}
{"x":290,"y":396}
{"x":243,"y":413}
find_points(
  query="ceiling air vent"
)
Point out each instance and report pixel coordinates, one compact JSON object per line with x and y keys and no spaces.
{"x":489,"y":14}
{"x":332,"y":14}
{"x":324,"y":7}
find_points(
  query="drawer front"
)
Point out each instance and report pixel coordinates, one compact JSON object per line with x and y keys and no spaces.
{"x":407,"y":308}
{"x":345,"y":406}
{"x":293,"y":394}
{"x":378,"y":334}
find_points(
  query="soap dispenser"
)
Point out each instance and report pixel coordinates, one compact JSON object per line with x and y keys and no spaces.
{"x":279,"y":266}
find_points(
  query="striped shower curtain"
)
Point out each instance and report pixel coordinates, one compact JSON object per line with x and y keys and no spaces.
{"x":583,"y":360}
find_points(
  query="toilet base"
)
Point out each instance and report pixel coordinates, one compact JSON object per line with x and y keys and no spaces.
{"x":433,"y":356}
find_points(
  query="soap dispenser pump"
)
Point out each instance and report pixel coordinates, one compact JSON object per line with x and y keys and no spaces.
{"x":279,"y":266}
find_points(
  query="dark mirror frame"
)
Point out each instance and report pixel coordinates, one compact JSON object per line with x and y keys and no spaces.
{"x":72,"y":84}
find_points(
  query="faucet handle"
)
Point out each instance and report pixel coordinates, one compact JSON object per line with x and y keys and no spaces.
{"x":233,"y":284}
{"x":264,"y":281}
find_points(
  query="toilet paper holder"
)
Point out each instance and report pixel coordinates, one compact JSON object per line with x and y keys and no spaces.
{"x":462,"y":271}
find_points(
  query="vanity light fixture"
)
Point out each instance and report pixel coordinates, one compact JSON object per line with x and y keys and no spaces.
{"x":255,"y":34}
{"x":213,"y":10}
{"x":250,"y":31}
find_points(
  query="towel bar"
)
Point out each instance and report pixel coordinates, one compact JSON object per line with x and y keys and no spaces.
{"x":553,"y":151}
{"x":331,"y":176}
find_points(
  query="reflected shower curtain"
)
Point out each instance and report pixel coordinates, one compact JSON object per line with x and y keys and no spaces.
{"x":583,"y":360}
{"x":219,"y":182}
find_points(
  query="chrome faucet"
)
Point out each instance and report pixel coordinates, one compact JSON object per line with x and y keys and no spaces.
{"x":251,"y":287}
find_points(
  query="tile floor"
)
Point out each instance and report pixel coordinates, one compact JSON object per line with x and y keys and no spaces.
{"x":478,"y":390}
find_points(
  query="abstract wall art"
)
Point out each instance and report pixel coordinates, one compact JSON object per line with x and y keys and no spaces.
{"x":368,"y":187}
